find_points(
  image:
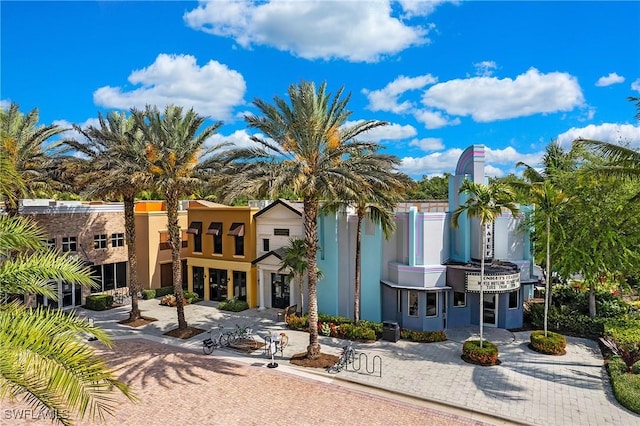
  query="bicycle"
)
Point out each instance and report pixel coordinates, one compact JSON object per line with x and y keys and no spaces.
{"x":244,"y":336}
{"x":347,"y":357}
{"x":218,"y":341}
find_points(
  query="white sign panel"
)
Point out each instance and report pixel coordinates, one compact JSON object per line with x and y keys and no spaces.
{"x":493,"y":283}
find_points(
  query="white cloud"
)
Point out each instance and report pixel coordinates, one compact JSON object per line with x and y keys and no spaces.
{"x":352,"y":30}
{"x":636,"y":85}
{"x":428,"y":144}
{"x":489,"y":98}
{"x":238,"y":139}
{"x":5,"y":103}
{"x":485,"y":68}
{"x":387,"y":99}
{"x":421,"y":8}
{"x":509,"y":156}
{"x":431,"y":164}
{"x":212,"y":90}
{"x":434,"y":119}
{"x":607,"y":132}
{"x":608,"y":80}
{"x":391,"y":131}
{"x":492,"y":171}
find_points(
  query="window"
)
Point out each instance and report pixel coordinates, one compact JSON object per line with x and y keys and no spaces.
{"x":215,"y":229}
{"x":195,"y":228}
{"x":265,"y":244}
{"x":281,"y":232}
{"x":514,"y":299}
{"x":459,"y":299}
{"x":70,"y":243}
{"x":164,"y":240}
{"x":117,"y":240}
{"x":99,"y":241}
{"x":237,"y":231}
{"x":51,"y":243}
{"x":432,"y":304}
{"x":413,"y":303}
{"x":239,"y":246}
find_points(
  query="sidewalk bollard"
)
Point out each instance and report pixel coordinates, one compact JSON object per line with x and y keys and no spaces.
{"x":91,"y":338}
{"x":272,"y":347}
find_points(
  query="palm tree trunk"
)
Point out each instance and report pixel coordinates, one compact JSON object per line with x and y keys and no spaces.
{"x":547,"y":289}
{"x":301,"y":291}
{"x":176,"y":245}
{"x":484,"y":245}
{"x":130,"y":229}
{"x":356,"y":292}
{"x":311,"y":242}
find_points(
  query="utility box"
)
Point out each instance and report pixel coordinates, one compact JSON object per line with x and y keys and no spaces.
{"x":390,"y":331}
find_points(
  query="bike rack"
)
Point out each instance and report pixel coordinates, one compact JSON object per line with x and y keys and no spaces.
{"x":357,"y":364}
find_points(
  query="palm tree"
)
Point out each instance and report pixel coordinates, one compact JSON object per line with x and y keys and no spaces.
{"x":22,"y":142}
{"x":484,"y":202}
{"x":115,"y":168}
{"x":44,"y":360}
{"x":312,"y":151}
{"x":549,"y":202}
{"x":294,"y":261}
{"x":175,"y":145}
{"x":385,"y":189}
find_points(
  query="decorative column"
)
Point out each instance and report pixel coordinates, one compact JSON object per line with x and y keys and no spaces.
{"x":261,"y":288}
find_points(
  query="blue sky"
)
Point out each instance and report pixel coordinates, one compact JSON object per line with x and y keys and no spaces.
{"x":510,"y":75}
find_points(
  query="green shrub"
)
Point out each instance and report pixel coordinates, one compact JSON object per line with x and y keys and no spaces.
{"x":485,"y":355}
{"x":552,"y":344}
{"x":566,"y":320}
{"x":233,"y":305}
{"x":336,"y":319}
{"x":297,"y":323}
{"x":191,"y":297}
{"x":635,"y":368}
{"x":626,"y":387}
{"x":148,"y":294}
{"x":99,"y":302}
{"x":423,"y":336}
{"x":356,"y":332}
{"x":164,"y":291}
{"x":375,"y":326}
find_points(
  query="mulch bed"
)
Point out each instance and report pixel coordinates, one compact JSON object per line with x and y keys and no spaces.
{"x":138,"y":322}
{"x":323,"y":361}
{"x":186,"y":333}
{"x":246,"y":346}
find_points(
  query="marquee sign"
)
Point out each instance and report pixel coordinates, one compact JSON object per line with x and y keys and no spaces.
{"x":492,"y":283}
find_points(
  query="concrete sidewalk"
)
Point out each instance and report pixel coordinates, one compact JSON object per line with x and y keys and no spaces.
{"x":527,"y":388}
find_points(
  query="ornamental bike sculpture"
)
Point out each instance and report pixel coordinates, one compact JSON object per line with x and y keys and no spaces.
{"x":350,"y":358}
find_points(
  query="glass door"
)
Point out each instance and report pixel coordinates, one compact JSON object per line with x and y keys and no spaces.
{"x":490,"y":310}
{"x":218,"y":284}
{"x":240,"y":285}
{"x":198,"y":281}
{"x":280,"y":297}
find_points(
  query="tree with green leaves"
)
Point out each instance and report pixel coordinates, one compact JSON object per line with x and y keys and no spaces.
{"x":44,"y":359}
{"x":114,"y":167}
{"x":294,"y":262}
{"x":486,"y":203}
{"x":309,"y":148}
{"x":430,"y":188}
{"x":175,"y":148}
{"x":25,"y":145}
{"x":549,"y":203}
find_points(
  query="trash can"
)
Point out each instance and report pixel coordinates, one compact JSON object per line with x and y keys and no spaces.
{"x":390,"y":331}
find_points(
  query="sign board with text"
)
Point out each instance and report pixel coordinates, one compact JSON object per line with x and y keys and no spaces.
{"x":492,"y":283}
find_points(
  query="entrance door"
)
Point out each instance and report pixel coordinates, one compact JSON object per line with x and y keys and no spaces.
{"x":198,"y":281}
{"x":280,"y":295}
{"x":240,"y":285}
{"x":218,"y":284}
{"x":490,"y":311}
